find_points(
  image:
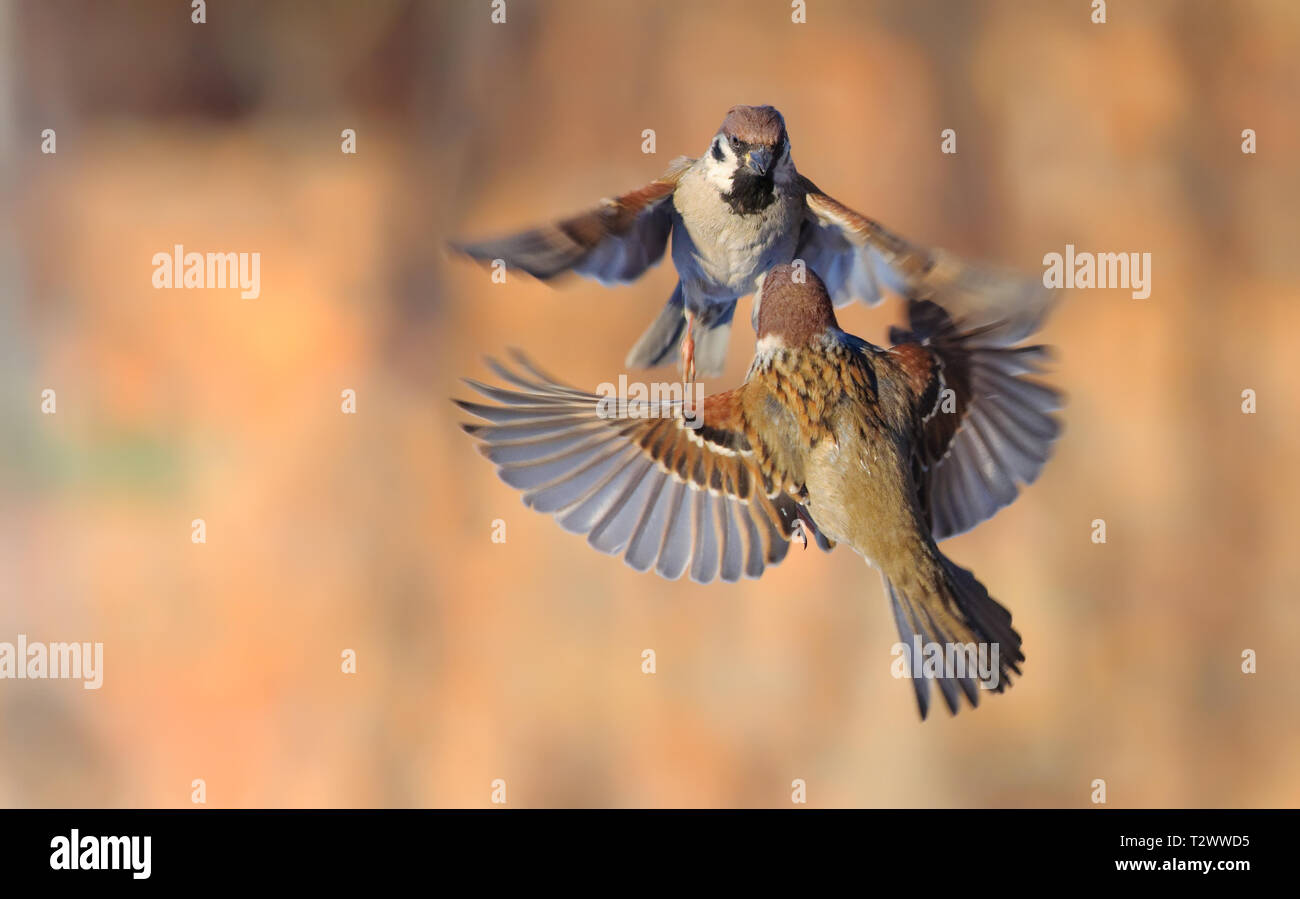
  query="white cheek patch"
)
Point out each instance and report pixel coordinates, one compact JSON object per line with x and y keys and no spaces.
{"x":768,"y":345}
{"x":719,"y":171}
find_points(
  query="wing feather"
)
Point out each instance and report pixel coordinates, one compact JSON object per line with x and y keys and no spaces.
{"x":856,"y":255}
{"x":614,"y":242}
{"x":985,"y":428}
{"x":642,"y":481}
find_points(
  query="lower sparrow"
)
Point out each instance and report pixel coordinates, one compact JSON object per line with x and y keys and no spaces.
{"x":829,"y":437}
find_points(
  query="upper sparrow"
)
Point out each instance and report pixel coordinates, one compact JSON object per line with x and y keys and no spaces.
{"x":887,"y":450}
{"x":734,"y":213}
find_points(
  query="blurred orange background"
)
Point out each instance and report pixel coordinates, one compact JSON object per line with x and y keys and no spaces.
{"x":522,"y":660}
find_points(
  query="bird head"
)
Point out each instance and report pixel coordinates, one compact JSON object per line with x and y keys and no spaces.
{"x":751,"y":147}
{"x":792,"y":307}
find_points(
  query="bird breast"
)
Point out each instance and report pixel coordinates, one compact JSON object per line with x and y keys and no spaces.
{"x":722,"y":252}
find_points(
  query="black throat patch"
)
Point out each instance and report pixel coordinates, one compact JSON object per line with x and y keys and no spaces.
{"x":750,"y":192}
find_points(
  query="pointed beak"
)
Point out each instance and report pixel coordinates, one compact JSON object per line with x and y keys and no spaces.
{"x":759,"y":160}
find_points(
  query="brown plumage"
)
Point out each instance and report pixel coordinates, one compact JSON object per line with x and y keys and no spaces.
{"x":849,"y":442}
{"x":792,"y":312}
{"x":761,"y":125}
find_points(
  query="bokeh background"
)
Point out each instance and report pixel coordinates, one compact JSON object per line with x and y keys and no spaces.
{"x":522,"y":660}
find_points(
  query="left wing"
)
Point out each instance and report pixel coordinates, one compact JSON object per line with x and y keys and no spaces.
{"x":638,"y":480}
{"x":984,"y":428}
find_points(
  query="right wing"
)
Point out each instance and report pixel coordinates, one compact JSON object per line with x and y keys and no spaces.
{"x":856,"y":255}
{"x":640,"y":481}
{"x":614,"y":242}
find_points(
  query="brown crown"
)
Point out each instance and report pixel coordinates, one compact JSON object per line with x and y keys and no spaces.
{"x":761,"y":125}
{"x":795,"y":312}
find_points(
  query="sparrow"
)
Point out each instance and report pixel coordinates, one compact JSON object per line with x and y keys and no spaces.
{"x":733,"y":213}
{"x":829,"y":437}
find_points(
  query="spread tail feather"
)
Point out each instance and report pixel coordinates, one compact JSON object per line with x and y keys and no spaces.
{"x":965,"y":624}
{"x":657,"y":344}
{"x":711,"y":347}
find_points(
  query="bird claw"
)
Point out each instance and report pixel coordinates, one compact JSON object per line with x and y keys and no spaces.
{"x":800,"y":526}
{"x":798,"y":533}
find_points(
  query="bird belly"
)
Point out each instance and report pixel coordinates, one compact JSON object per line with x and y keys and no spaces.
{"x":856,"y":496}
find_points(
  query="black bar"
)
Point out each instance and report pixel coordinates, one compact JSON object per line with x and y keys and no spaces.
{"x":231,"y":847}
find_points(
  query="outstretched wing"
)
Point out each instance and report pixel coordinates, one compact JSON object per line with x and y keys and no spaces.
{"x":856,"y":255}
{"x":668,"y":488}
{"x":985,"y":427}
{"x":615,"y":242}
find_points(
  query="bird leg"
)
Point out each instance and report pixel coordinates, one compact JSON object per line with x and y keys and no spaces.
{"x":688,"y":348}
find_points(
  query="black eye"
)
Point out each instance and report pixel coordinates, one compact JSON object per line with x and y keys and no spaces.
{"x":735,"y":143}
